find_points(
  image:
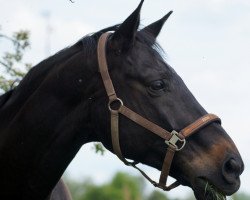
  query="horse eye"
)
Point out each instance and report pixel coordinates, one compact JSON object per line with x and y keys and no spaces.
{"x":157,"y":85}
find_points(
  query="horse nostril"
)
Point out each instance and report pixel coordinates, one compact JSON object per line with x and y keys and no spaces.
{"x":232,"y":166}
{"x":232,"y":170}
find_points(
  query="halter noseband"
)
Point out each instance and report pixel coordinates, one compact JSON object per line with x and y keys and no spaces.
{"x":175,"y":141}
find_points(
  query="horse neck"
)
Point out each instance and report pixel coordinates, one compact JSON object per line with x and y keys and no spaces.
{"x":10,"y":106}
{"x":38,"y":131}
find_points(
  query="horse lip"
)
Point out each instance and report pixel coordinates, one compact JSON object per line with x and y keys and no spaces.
{"x":199,"y":187}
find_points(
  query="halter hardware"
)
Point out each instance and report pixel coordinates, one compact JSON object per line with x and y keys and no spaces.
{"x":172,"y":139}
{"x":112,"y":101}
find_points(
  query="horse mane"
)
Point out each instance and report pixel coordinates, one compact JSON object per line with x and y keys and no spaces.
{"x":87,"y":44}
{"x":90,"y":41}
{"x":38,"y":73}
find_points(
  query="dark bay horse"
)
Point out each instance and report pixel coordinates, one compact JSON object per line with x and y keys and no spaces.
{"x":61,"y":104}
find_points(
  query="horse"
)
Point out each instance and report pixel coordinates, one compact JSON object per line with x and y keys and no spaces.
{"x":113,"y":86}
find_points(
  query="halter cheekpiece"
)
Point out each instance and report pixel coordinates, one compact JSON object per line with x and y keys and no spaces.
{"x":174,"y":140}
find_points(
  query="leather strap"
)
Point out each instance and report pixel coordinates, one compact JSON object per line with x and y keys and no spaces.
{"x":199,"y":124}
{"x":103,"y":67}
{"x":154,"y":128}
{"x":166,"y":165}
{"x":171,"y":138}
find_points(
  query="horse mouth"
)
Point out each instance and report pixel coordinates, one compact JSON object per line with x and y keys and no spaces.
{"x":205,"y":190}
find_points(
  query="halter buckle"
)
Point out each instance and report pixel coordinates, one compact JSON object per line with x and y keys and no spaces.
{"x":173,"y":141}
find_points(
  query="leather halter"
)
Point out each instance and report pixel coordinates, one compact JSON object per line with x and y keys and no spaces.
{"x":175,"y":141}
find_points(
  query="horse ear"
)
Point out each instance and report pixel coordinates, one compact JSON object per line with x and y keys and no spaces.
{"x":155,"y":28}
{"x":124,"y":36}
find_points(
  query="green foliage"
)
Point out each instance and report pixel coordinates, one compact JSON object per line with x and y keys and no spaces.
{"x":130,"y":186}
{"x":212,"y":191}
{"x":125,"y":187}
{"x":241,"y":196}
{"x":98,"y":147}
{"x":121,"y":187}
{"x":105,"y":192}
{"x":156,"y":195}
{"x":11,"y":61}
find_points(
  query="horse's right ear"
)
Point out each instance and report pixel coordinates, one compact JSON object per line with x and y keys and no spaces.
{"x":124,"y":36}
{"x":155,"y":28}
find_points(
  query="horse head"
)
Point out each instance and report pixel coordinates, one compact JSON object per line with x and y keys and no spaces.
{"x":210,"y":162}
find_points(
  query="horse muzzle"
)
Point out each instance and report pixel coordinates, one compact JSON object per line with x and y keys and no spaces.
{"x":220,"y":184}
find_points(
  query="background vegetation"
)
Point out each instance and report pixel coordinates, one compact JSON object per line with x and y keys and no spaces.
{"x":11,"y":65}
{"x":124,"y":187}
{"x":121,"y":187}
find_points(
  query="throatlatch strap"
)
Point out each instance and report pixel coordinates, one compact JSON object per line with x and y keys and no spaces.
{"x":171,"y":139}
{"x":115,"y":135}
{"x":116,"y":140}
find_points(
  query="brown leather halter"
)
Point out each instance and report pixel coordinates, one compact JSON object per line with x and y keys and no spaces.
{"x":175,"y":141}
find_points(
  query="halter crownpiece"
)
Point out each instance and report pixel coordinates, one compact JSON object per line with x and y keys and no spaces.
{"x":174,"y":140}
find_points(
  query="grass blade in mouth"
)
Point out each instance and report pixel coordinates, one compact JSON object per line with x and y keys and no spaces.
{"x":213,"y":192}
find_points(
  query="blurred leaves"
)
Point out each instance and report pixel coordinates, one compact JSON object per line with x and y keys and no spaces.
{"x":11,"y":61}
{"x":98,"y":147}
{"x":157,"y":195}
{"x":125,"y":187}
{"x":241,"y":196}
{"x":121,"y":187}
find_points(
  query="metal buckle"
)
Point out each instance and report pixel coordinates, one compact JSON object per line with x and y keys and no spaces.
{"x":116,"y":100}
{"x":174,"y":139}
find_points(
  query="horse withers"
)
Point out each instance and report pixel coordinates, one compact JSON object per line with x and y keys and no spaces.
{"x":62,"y":103}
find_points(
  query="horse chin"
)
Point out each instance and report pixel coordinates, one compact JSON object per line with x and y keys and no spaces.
{"x":205,"y":190}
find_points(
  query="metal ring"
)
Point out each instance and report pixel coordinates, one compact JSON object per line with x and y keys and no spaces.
{"x":182,"y":146}
{"x":115,"y":100}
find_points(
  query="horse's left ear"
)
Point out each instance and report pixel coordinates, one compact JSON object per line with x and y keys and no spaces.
{"x":124,"y":36}
{"x":155,"y":28}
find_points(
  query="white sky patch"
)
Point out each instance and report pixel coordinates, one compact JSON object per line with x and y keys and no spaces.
{"x":70,"y":32}
{"x":62,"y":33}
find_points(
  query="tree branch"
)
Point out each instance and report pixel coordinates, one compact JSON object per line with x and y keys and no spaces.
{"x":8,"y":38}
{"x":4,"y":64}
